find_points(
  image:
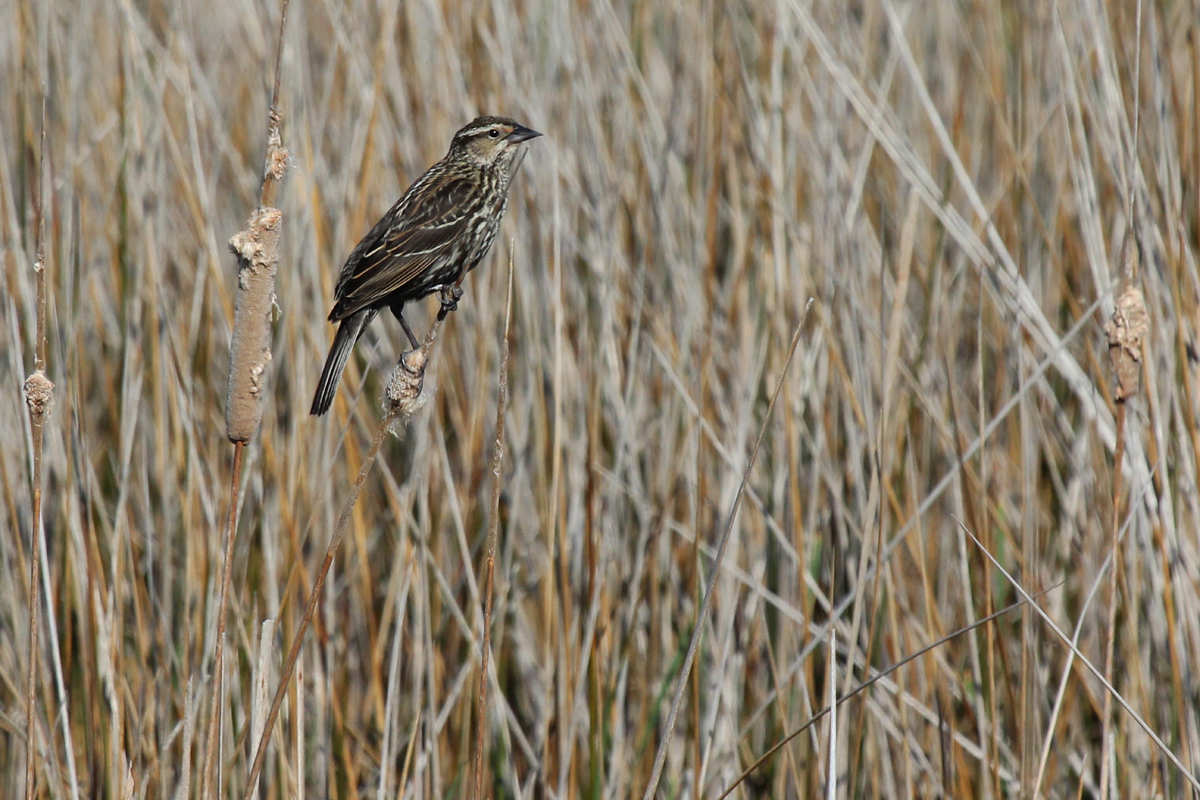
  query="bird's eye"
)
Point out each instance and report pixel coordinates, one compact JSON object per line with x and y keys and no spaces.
{"x":494,"y":133}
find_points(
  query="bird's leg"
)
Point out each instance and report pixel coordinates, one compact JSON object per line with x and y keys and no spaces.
{"x":449,"y":296}
{"x":398,"y":311}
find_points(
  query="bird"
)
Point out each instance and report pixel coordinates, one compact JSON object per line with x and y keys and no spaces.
{"x":439,"y":229}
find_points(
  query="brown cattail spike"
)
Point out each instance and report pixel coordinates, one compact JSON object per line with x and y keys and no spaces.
{"x":1126,"y":330}
{"x":257,"y":250}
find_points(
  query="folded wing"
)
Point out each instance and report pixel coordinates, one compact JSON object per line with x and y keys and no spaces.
{"x":392,"y":258}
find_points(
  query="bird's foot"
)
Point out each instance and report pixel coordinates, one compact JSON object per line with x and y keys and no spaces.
{"x":449,"y":297}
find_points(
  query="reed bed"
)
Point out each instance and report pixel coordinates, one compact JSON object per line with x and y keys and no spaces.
{"x":957,"y":186}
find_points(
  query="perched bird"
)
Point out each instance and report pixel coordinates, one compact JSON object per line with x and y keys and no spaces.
{"x":441,"y":228}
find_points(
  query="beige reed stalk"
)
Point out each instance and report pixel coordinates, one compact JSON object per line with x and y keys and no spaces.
{"x":39,"y":395}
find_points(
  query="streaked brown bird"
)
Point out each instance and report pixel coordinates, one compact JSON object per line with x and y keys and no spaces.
{"x":441,"y":228}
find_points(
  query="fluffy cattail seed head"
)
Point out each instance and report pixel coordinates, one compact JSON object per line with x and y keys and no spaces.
{"x":403,"y":394}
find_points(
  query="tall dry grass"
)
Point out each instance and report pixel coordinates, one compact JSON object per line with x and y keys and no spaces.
{"x":951,"y":182}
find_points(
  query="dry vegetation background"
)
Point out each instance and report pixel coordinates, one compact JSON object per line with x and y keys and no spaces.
{"x":950,"y":181}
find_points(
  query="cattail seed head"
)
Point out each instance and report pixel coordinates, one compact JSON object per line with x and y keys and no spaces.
{"x":1126,"y":330}
{"x":39,"y":394}
{"x":403,"y":395}
{"x":257,"y":251}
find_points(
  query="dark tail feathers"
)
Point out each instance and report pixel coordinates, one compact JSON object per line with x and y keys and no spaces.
{"x":347,"y":334}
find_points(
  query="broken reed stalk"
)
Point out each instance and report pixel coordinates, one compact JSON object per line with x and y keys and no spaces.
{"x":1126,"y":330}
{"x":39,"y":396}
{"x":257,"y":251}
{"x":402,"y":398}
{"x":493,"y":528}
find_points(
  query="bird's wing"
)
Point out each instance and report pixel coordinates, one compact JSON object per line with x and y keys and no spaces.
{"x":413,"y":236}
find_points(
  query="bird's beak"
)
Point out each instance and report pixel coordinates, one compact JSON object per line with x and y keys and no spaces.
{"x":521,"y":133}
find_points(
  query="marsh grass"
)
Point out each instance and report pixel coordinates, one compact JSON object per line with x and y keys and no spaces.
{"x":950,"y":181}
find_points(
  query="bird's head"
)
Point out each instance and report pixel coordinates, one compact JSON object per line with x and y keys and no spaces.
{"x":489,"y":142}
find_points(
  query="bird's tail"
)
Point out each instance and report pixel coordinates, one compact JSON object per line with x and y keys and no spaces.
{"x":347,"y":334}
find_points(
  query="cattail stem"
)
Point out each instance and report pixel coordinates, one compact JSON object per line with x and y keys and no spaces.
{"x":1114,"y":569}
{"x":214,"y":713}
{"x":313,"y":596}
{"x":1126,"y":330}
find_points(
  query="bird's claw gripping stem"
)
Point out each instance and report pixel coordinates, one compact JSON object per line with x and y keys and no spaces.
{"x":449,"y":296}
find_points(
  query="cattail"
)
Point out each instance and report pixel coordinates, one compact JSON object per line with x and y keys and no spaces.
{"x":402,"y":396}
{"x":257,"y":251}
{"x":1126,"y":329}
